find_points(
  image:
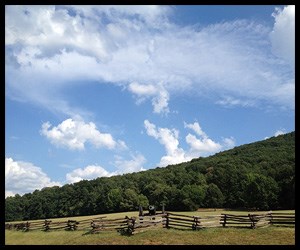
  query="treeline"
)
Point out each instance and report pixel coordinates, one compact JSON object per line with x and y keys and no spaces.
{"x":259,"y":175}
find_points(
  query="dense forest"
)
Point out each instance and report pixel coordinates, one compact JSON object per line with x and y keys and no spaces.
{"x":259,"y":175}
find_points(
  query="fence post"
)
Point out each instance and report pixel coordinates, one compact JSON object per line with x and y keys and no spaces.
{"x":46,"y":224}
{"x":195,"y":224}
{"x":93,"y":225}
{"x":167,"y":220}
{"x":271,"y":218}
{"x":224,"y":222}
{"x":133,"y":223}
{"x":198,"y":222}
{"x":251,"y":217}
{"x":27,"y":226}
{"x":140,"y":210}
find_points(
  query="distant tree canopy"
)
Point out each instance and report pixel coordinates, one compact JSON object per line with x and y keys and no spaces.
{"x":259,"y":175}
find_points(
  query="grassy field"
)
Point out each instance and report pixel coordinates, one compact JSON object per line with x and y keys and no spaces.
{"x":272,"y":235}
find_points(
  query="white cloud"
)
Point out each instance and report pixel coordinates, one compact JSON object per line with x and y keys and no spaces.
{"x":73,"y":134}
{"x":228,"y":143}
{"x":229,"y":101}
{"x":140,"y":45}
{"x":205,"y":145}
{"x":142,"y":89}
{"x":160,"y":102}
{"x":135,"y":164}
{"x":24,"y":177}
{"x":196,"y":128}
{"x":283,"y":33}
{"x":129,"y":166}
{"x":169,"y":139}
{"x":280,"y":132}
{"x":160,"y":97}
{"x":88,"y":173}
{"x":202,"y":146}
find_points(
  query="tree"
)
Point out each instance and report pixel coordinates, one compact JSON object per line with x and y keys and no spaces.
{"x":14,"y":209}
{"x":130,"y":200}
{"x":114,"y":199}
{"x":214,"y":197}
{"x":195,"y":195}
{"x":260,"y":192}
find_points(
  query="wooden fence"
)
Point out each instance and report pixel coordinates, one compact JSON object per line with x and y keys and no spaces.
{"x":166,"y":220}
{"x":283,"y":219}
{"x":110,"y":224}
{"x":179,"y":221}
{"x":150,"y":221}
{"x":246,"y":221}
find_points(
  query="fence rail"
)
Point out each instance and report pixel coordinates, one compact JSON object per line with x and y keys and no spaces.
{"x":166,"y":220}
{"x":283,"y":219}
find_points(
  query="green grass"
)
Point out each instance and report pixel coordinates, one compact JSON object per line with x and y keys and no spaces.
{"x":272,"y":235}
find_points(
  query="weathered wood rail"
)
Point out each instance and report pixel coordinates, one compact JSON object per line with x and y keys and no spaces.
{"x":109,"y":224}
{"x":179,"y":221}
{"x":132,"y":225}
{"x":150,"y":221}
{"x":246,"y":221}
{"x":283,"y":219}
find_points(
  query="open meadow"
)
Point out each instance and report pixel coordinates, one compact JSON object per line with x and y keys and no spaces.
{"x":157,"y":235}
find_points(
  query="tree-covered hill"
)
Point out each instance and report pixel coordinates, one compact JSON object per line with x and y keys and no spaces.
{"x":259,"y":175}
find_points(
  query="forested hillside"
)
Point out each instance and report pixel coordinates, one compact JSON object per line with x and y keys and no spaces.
{"x":259,"y":175}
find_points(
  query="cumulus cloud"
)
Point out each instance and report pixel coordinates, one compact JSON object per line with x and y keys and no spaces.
{"x":73,"y":134}
{"x":280,"y":132}
{"x":142,"y":89}
{"x":283,"y":33}
{"x":135,"y":164}
{"x":169,"y":139}
{"x":158,"y":93}
{"x":202,"y":146}
{"x":88,"y":173}
{"x":24,"y":177}
{"x":228,"y":143}
{"x":196,"y":128}
{"x":153,"y":57}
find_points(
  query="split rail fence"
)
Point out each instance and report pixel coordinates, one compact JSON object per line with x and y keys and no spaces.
{"x":129,"y":226}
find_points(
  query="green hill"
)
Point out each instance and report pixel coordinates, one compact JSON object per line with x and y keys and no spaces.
{"x":259,"y":175}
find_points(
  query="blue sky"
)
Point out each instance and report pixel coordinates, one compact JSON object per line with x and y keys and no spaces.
{"x":95,"y":91}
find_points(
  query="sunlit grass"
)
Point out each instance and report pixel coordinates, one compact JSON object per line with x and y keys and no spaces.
{"x":271,"y":235}
{"x":159,"y":236}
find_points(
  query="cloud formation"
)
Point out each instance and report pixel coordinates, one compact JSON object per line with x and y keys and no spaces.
{"x":73,"y":134}
{"x":283,"y":33}
{"x":135,"y":164}
{"x":203,"y":145}
{"x":24,"y":177}
{"x":158,"y":93}
{"x":169,"y":138}
{"x":88,"y":173}
{"x":280,"y":132}
{"x":277,"y":133}
{"x":153,"y":57}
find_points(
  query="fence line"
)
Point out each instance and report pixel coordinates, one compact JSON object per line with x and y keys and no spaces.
{"x":165,"y":220}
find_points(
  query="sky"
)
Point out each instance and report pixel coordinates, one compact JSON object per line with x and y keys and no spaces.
{"x":97,"y":91}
